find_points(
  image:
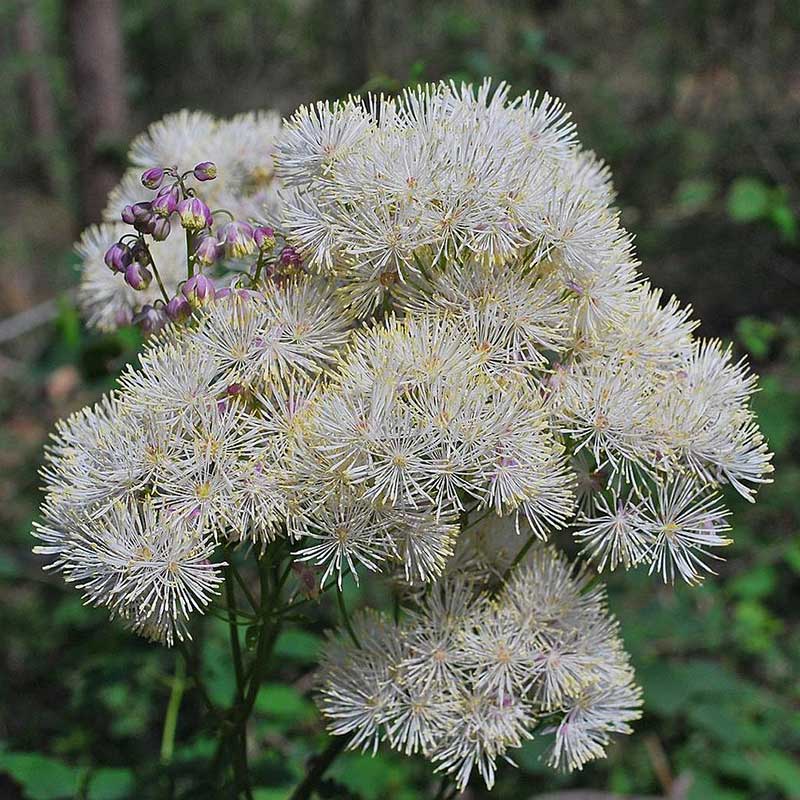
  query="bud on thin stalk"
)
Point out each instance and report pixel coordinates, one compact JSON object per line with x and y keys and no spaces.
{"x":153,"y":177}
{"x":205,"y":171}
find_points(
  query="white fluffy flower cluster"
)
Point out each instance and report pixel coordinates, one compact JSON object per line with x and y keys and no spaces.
{"x":469,"y":675}
{"x":456,"y":202}
{"x":200,"y":440}
{"x":242,"y":149}
{"x":468,"y":355}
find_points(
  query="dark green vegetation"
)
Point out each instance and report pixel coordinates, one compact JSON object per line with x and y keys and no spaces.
{"x":694,"y":104}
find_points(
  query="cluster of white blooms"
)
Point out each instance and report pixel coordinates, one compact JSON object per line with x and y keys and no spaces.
{"x":241,"y":148}
{"x":468,"y":675}
{"x":449,"y":201}
{"x":459,"y":358}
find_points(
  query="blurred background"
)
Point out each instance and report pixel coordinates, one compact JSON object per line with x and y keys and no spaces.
{"x":695,"y":104}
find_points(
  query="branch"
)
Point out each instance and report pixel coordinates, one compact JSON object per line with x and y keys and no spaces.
{"x":318,"y":766}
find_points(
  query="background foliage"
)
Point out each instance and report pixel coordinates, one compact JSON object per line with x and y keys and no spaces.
{"x":694,"y":104}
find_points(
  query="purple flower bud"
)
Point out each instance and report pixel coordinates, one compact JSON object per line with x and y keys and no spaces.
{"x":150,"y":319}
{"x":195,"y":214}
{"x":127,"y":215}
{"x":142,"y":210}
{"x":151,"y":178}
{"x":264,"y":238}
{"x":208,"y":250}
{"x":140,"y":253}
{"x":166,"y":200}
{"x":198,"y":290}
{"x":137,"y":276}
{"x":143,"y":219}
{"x":237,"y":238}
{"x":290,"y":257}
{"x":234,"y":389}
{"x":205,"y":171}
{"x":178,"y":309}
{"x":118,"y":257}
{"x":161,"y":228}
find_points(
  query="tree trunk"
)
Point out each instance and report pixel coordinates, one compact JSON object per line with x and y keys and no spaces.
{"x":39,"y":98}
{"x":98,"y":75}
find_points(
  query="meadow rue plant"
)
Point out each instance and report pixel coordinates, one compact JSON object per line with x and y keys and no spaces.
{"x":415,"y":347}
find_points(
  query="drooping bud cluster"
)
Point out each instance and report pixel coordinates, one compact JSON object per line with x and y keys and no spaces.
{"x":207,"y":246}
{"x":436,"y":351}
{"x":233,"y":171}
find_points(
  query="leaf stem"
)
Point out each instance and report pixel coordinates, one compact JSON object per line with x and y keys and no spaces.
{"x":173,"y":707}
{"x":158,"y":276}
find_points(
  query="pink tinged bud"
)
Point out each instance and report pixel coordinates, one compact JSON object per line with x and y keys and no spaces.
{"x":150,"y":319}
{"x":161,"y":228}
{"x":290,"y":257}
{"x":195,"y":214}
{"x":152,"y":178}
{"x":250,"y":294}
{"x":166,"y":201}
{"x":208,"y":250}
{"x":237,"y":238}
{"x":128,"y":217}
{"x":205,"y":171}
{"x":137,"y":276}
{"x":264,"y":238}
{"x":118,"y":257}
{"x":245,"y":294}
{"x":178,"y":309}
{"x":234,"y":389}
{"x":198,"y":290}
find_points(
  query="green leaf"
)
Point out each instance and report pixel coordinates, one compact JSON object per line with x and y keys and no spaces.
{"x":756,"y":335}
{"x":110,"y":783}
{"x":757,"y":582}
{"x":372,"y":777}
{"x":704,"y":787}
{"x":785,"y":221}
{"x":779,"y":770}
{"x":792,"y":555}
{"x":748,"y":200}
{"x":694,"y":194}
{"x":284,"y":702}
{"x":297,"y":645}
{"x":778,"y":411}
{"x":272,"y":793}
{"x":41,"y":777}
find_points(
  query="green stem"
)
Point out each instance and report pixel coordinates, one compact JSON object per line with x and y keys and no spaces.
{"x":266,"y":637}
{"x":318,"y":766}
{"x":173,"y":706}
{"x":246,"y":589}
{"x":238,"y":736}
{"x":259,"y":266}
{"x":194,"y":673}
{"x":189,"y":262}
{"x":519,"y":556}
{"x":345,"y":617}
{"x":158,"y":276}
{"x":236,"y":648}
